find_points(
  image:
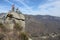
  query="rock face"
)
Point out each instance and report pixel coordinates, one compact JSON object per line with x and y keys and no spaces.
{"x":10,"y":22}
{"x":13,"y":26}
{"x":13,"y":17}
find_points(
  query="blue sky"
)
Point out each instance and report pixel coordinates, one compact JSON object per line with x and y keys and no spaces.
{"x":33,"y":7}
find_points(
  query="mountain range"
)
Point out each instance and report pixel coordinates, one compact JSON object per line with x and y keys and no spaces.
{"x":37,"y":24}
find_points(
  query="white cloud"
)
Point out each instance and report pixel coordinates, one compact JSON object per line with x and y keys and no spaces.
{"x":25,"y":9}
{"x":3,"y":8}
{"x":53,"y":0}
{"x":52,"y":8}
{"x":25,"y":5}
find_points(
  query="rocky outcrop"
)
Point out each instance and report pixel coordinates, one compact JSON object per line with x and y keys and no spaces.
{"x":13,"y":26}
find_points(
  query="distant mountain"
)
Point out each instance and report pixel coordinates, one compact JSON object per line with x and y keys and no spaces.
{"x":2,"y":14}
{"x":41,"y":23}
